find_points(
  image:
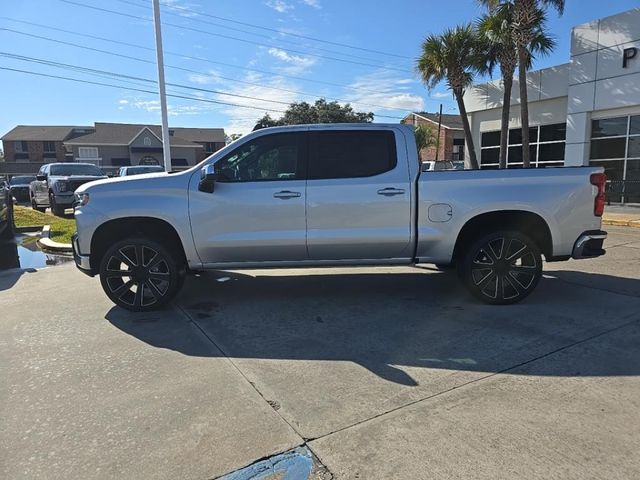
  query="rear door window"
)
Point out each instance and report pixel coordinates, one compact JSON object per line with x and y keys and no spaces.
{"x":351,"y":153}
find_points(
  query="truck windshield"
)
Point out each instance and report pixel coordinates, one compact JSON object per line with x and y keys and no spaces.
{"x":69,"y":170}
{"x":21,"y":180}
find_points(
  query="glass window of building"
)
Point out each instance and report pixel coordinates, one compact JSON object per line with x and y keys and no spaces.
{"x":546,"y":147}
{"x":615,"y":145}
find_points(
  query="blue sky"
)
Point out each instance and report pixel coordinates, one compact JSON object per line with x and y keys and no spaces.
{"x":272,"y":66}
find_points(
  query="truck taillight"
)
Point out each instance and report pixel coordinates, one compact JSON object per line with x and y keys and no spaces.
{"x":599,"y":180}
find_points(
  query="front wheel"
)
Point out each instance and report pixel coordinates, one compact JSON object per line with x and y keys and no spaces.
{"x":139,"y":274}
{"x":502,"y":268}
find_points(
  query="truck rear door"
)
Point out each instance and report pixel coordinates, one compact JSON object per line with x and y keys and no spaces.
{"x":358,"y":196}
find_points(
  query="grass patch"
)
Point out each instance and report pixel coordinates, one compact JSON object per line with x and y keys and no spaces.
{"x":61,"y":228}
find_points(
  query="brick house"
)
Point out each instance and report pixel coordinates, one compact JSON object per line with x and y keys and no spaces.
{"x":451,"y":135}
{"x":108,"y":145}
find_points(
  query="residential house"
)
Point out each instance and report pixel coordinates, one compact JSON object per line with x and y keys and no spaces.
{"x":451,"y":135}
{"x":108,"y":145}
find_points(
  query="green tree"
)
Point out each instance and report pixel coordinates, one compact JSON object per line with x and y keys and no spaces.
{"x":425,"y":138}
{"x":321,"y":112}
{"x":232,"y":138}
{"x":528,"y":18}
{"x":495,"y":28}
{"x":453,"y":57}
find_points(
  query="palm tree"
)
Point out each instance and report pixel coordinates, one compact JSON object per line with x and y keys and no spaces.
{"x":425,"y":138}
{"x":528,"y":18}
{"x":496,"y":29}
{"x":452,"y":57}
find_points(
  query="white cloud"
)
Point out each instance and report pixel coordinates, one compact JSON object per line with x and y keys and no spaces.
{"x":279,"y":5}
{"x":181,"y":8}
{"x":153,"y":106}
{"x":384,"y":89}
{"x":123,"y":102}
{"x":441,"y":95}
{"x":212,"y":77}
{"x":296,"y":63}
{"x":312,"y":3}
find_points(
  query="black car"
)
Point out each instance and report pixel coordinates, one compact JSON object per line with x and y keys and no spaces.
{"x":6,"y":210}
{"x":20,"y":186}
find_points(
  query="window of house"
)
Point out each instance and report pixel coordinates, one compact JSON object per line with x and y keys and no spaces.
{"x":546,"y":147}
{"x":20,"y":146}
{"x":49,"y":147}
{"x":351,"y":154}
{"x":88,"y":152}
{"x":615,"y":145}
{"x":267,"y":158}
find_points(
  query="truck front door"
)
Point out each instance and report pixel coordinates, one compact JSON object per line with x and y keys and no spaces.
{"x":256,"y":212}
{"x":358,"y":196}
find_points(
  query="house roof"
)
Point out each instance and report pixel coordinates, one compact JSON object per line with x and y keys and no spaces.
{"x":124,"y":133}
{"x":450,"y":121}
{"x":39,"y":133}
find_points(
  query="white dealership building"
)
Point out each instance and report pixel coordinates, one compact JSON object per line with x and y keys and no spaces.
{"x":585,"y":112}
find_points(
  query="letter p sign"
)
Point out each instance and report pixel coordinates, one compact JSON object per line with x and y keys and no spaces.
{"x":628,"y":54}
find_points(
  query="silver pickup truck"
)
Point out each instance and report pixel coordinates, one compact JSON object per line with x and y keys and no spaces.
{"x":334,"y":195}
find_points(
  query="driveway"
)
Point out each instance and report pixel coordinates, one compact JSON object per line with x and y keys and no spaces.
{"x":379,"y":372}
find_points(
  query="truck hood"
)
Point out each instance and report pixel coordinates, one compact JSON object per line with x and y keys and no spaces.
{"x":75,"y":178}
{"x":133,"y":183}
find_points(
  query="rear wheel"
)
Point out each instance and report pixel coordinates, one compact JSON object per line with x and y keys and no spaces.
{"x":139,"y":274}
{"x":35,"y":206}
{"x":502,"y":267}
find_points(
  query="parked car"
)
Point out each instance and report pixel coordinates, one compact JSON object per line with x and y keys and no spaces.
{"x":432,"y":165}
{"x":334,"y":195}
{"x":139,"y":169}
{"x":20,"y":187}
{"x":56,"y":182}
{"x":6,"y":210}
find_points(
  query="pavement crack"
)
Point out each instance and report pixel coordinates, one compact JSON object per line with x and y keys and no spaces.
{"x":272,"y":403}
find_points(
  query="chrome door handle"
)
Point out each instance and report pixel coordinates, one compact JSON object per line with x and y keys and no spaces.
{"x":286,"y":194}
{"x":390,"y":191}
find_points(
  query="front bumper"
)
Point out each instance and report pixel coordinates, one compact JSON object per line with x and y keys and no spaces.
{"x":83,"y":262}
{"x":589,"y":244}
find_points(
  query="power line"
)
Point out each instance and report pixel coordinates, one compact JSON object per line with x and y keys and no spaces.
{"x":187,"y":69}
{"x":129,"y":78}
{"x":229,"y":37}
{"x":77,"y":80}
{"x":194,"y":18}
{"x":281,"y":32}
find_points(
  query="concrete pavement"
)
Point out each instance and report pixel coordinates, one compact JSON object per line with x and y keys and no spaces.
{"x":382,"y":373}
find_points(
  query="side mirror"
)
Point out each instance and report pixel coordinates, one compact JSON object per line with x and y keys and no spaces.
{"x":41,"y":178}
{"x":208,"y":177}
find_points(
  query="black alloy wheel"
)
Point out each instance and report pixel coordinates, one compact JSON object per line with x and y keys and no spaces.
{"x":502,"y":268}
{"x":140,"y":275}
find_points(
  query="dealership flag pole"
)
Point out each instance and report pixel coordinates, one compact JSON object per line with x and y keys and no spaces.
{"x":166,"y":147}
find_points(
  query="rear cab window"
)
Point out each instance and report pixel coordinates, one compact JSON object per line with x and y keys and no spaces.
{"x":351,"y":153}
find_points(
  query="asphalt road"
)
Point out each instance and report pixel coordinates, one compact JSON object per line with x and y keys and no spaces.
{"x":383,"y":373}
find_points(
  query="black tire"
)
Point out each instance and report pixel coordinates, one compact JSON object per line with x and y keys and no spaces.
{"x":35,"y":206}
{"x":9,"y":232}
{"x":501,"y":268}
{"x":56,"y":209}
{"x":140,"y":275}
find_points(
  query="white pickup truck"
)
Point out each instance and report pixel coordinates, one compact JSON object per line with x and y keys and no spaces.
{"x":334,"y":195}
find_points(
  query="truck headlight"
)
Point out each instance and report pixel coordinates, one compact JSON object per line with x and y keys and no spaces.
{"x":62,"y":186}
{"x":82,"y":199}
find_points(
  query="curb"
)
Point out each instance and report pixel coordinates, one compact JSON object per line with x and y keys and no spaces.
{"x":621,"y":223}
{"x":33,"y":228}
{"x":48,"y":244}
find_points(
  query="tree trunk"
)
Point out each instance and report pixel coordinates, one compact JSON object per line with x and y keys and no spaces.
{"x":473,"y":160}
{"x":506,"y":111}
{"x":524,"y":105}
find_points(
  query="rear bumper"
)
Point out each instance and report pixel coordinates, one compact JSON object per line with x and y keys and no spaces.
{"x":589,"y":244}
{"x":83,"y":262}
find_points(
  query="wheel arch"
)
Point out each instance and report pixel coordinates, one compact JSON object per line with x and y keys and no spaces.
{"x":117,"y":229}
{"x":526,"y":222}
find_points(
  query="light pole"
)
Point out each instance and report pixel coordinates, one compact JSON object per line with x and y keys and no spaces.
{"x":166,"y":143}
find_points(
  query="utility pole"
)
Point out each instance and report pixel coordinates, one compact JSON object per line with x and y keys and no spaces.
{"x":438,"y":139}
{"x":166,"y":143}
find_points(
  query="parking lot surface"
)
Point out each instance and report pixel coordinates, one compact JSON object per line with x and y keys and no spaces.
{"x":380,"y":372}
